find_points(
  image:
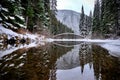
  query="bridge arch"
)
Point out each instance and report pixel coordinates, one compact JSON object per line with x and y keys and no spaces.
{"x":67,"y":36}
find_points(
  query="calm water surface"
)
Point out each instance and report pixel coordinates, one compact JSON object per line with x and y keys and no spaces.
{"x":85,"y":61}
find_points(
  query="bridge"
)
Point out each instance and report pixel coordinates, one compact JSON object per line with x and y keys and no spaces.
{"x":67,"y":36}
{"x":67,"y":39}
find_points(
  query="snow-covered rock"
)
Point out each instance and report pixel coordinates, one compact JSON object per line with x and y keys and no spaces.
{"x":69,"y":18}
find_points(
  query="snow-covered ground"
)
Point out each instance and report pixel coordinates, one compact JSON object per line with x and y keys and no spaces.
{"x":113,"y":49}
{"x":35,"y":40}
{"x":10,"y":34}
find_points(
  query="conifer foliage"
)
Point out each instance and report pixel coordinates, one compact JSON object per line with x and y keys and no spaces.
{"x":106,"y":18}
{"x":10,"y":14}
{"x":34,"y":15}
{"x":85,"y":24}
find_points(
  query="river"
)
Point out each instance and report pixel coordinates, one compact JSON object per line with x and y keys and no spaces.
{"x":61,"y":60}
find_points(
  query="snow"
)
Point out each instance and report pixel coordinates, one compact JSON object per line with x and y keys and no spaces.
{"x":20,"y":65}
{"x":11,"y":17}
{"x":35,"y":40}
{"x":22,"y":25}
{"x":69,"y":18}
{"x":0,"y":19}
{"x":11,"y":65}
{"x":21,"y":17}
{"x":10,"y":34}
{"x":88,"y":40}
{"x":12,"y":49}
{"x":113,"y":49}
{"x":113,"y":46}
{"x":5,"y":9}
{"x":4,"y":16}
{"x":49,"y":40}
{"x":7,"y":31}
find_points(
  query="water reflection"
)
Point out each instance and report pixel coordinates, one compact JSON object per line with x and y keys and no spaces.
{"x":106,"y":67}
{"x":52,"y":62}
{"x":76,"y":64}
{"x":31,"y":63}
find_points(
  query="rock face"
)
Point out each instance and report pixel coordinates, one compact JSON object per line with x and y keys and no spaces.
{"x":69,"y":18}
{"x":69,"y":60}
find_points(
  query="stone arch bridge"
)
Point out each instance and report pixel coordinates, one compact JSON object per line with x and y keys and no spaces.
{"x":67,"y":36}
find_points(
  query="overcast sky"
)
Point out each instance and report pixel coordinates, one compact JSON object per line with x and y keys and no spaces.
{"x":76,"y":5}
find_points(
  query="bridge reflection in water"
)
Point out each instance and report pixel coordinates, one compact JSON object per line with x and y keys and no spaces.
{"x":68,"y":39}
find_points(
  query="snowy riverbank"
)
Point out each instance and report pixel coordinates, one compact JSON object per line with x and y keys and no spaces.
{"x":10,"y":34}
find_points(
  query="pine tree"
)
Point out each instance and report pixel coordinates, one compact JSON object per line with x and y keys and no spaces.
{"x":96,"y":18}
{"x":36,"y":14}
{"x":82,"y":22}
{"x":118,"y":17}
{"x":109,"y":17}
{"x":53,"y":4}
{"x":10,"y":14}
{"x":89,"y":30}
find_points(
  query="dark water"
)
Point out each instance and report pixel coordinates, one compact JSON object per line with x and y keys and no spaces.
{"x":52,"y":62}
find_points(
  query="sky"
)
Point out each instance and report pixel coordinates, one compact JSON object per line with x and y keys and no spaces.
{"x":76,"y":5}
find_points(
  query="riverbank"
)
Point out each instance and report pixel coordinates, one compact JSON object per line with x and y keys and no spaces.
{"x":8,"y":36}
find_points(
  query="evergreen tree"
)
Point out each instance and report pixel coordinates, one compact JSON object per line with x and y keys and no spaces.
{"x":53,"y":4}
{"x":109,"y":17}
{"x":10,"y":14}
{"x":82,"y":22}
{"x":118,"y":17}
{"x":36,"y":15}
{"x":89,"y":29}
{"x":96,"y":18}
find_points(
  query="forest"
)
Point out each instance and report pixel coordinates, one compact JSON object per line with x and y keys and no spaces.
{"x":32,"y":15}
{"x":106,"y":18}
{"x":105,"y":21}
{"x":35,"y":45}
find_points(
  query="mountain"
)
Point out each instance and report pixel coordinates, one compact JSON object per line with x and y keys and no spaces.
{"x":69,"y":18}
{"x":69,"y":60}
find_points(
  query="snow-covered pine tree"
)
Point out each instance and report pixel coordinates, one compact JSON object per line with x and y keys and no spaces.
{"x":118,"y":16}
{"x":10,"y":14}
{"x":53,"y":4}
{"x":36,"y":14}
{"x":109,"y":17}
{"x":89,"y":29}
{"x":96,"y":18}
{"x":82,"y":22}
